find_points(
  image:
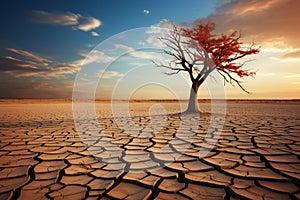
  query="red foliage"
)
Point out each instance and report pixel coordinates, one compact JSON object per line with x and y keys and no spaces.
{"x":223,"y":49}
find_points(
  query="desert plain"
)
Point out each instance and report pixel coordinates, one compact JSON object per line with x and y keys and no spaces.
{"x":47,"y":153}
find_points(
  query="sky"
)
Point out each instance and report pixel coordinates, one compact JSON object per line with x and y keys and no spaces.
{"x":46,"y":46}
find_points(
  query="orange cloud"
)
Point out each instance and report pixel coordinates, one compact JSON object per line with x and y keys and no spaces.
{"x":268,"y":23}
{"x":29,"y":64}
{"x":292,"y":55}
{"x":240,"y":8}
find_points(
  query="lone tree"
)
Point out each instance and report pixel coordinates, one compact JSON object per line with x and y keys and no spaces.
{"x":198,"y":52}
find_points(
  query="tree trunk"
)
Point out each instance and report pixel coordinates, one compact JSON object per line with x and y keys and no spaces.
{"x":193,"y":101}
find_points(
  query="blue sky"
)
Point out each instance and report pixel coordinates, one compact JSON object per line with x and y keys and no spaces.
{"x":63,"y":43}
{"x":42,"y":43}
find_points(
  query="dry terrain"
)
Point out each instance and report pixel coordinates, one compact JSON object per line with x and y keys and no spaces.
{"x":44,"y":155}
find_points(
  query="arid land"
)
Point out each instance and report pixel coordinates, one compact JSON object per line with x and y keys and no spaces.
{"x":47,"y":154}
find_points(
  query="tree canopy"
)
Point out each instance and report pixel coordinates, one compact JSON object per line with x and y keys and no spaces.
{"x":194,"y":50}
{"x":198,"y":51}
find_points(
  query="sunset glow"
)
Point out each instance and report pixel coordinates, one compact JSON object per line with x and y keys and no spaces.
{"x":43,"y":45}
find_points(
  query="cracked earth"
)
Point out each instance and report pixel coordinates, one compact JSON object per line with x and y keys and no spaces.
{"x":256,"y":156}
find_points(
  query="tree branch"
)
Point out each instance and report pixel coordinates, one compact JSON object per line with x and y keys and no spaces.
{"x":235,"y":80}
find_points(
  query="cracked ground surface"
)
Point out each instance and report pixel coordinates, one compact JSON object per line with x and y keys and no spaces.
{"x":256,"y":156}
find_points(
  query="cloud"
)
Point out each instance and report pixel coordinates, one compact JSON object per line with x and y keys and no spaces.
{"x":25,"y":74}
{"x":13,"y":63}
{"x":94,"y":56}
{"x":95,"y":34}
{"x":27,"y":64}
{"x":109,"y":74}
{"x":146,"y":12}
{"x":77,"y":21}
{"x":28,"y":55}
{"x":265,"y":22}
{"x":90,"y":23}
{"x":137,"y":54}
{"x":266,"y":74}
{"x":291,"y":56}
{"x":158,"y":30}
{"x":154,"y":41}
{"x":241,"y":8}
{"x":293,"y":76}
{"x":58,"y":18}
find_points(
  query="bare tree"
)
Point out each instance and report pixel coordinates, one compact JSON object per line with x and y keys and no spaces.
{"x":198,"y":52}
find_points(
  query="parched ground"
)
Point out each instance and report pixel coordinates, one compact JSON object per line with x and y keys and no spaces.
{"x":255,"y":156}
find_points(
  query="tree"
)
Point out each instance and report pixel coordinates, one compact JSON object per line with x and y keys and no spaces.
{"x":198,"y":52}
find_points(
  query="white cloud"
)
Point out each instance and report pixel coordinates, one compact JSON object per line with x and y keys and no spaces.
{"x":158,"y":30}
{"x":90,"y":23}
{"x":109,"y":74}
{"x":94,"y":56}
{"x":146,"y":12}
{"x":95,"y":34}
{"x":137,"y":54}
{"x":58,"y":18}
{"x":154,"y":41}
{"x":78,"y":21}
{"x":122,"y":46}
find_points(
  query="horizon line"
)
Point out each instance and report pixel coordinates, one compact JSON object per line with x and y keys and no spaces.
{"x":140,"y":100}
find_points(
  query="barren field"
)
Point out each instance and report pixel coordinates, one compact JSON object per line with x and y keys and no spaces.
{"x":161,"y":155}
